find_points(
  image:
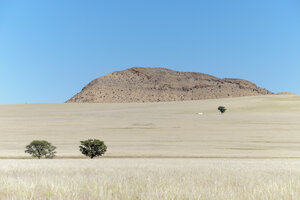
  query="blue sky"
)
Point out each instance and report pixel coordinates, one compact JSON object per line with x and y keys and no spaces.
{"x":49,"y":50}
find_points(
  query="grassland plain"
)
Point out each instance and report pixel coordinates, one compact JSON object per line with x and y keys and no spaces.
{"x":266,"y":126}
{"x":149,"y":179}
{"x":155,"y":150}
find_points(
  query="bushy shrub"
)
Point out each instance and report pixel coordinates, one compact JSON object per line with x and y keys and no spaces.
{"x":92,"y":148}
{"x":222,"y":109}
{"x":41,"y":148}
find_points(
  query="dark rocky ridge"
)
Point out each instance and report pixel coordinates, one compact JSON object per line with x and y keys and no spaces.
{"x":161,"y":84}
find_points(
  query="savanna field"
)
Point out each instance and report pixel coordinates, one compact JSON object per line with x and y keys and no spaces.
{"x":149,"y":100}
{"x":150,"y":179}
{"x":155,"y":150}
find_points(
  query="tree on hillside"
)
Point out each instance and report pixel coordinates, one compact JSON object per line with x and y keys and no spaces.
{"x":222,"y":109}
{"x":92,"y":148}
{"x":41,"y":148}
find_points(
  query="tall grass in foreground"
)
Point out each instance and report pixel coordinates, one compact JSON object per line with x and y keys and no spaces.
{"x":150,"y":179}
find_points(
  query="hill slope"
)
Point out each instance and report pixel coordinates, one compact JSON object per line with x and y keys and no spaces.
{"x":161,"y":84}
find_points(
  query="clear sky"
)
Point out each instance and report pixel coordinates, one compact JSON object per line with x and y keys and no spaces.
{"x":49,"y":50}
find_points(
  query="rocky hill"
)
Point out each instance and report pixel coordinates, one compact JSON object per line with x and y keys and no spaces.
{"x":161,"y":84}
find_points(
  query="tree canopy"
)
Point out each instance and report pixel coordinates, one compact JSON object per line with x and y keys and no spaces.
{"x":92,"y":148}
{"x":41,"y":148}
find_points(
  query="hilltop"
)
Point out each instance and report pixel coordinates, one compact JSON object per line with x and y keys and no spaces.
{"x":160,"y":84}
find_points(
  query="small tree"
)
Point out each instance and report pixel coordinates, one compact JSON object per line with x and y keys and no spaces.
{"x":41,"y":148}
{"x":222,"y":109}
{"x":92,"y":148}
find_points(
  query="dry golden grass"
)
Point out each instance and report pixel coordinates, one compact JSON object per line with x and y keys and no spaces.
{"x":130,"y":179}
{"x":254,"y":127}
{"x":266,"y":126}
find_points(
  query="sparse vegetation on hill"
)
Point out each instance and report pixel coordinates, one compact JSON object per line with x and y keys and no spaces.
{"x":160,"y":84}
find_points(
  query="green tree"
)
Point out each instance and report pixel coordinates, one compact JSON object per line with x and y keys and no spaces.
{"x":41,"y":148}
{"x":92,"y":148}
{"x":222,"y":109}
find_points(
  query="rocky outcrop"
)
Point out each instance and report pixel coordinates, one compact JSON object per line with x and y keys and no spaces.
{"x":161,"y":84}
